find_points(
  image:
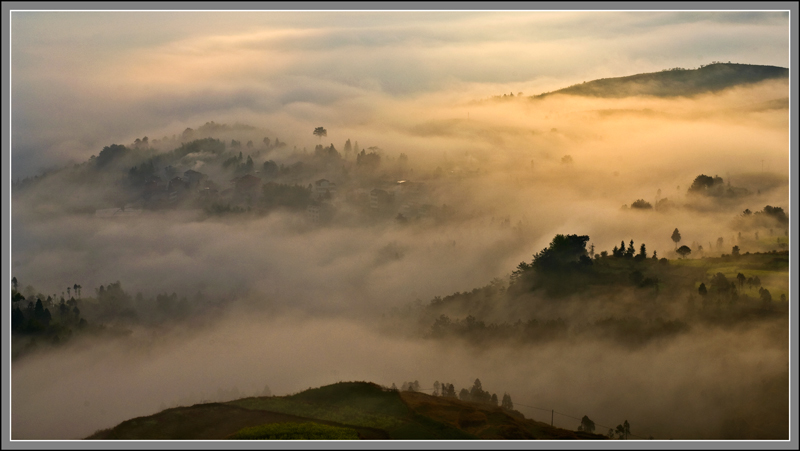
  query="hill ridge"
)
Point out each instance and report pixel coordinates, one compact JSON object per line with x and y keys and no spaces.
{"x":373,"y":411}
{"x":675,"y":82}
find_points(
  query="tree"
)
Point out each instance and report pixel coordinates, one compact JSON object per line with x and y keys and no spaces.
{"x":436,"y":384}
{"x":702,"y":290}
{"x":702,"y":183}
{"x":676,"y":237}
{"x":110,"y":153}
{"x":641,"y":204}
{"x":565,"y":251}
{"x":587,"y":425}
{"x":494,"y":399}
{"x":347,"y":148}
{"x":368,"y":160}
{"x":14,"y":284}
{"x":684,"y":251}
{"x":506,"y":403}
{"x":735,"y":251}
{"x":451,"y":391}
{"x":766,"y":297}
{"x":320,"y":132}
{"x":741,"y":278}
{"x":630,"y":251}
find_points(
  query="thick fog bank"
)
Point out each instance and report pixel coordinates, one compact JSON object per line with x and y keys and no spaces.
{"x":701,"y":385}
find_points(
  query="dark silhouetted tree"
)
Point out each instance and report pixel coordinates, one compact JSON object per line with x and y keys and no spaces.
{"x":630,"y":251}
{"x":702,"y":290}
{"x":684,"y":251}
{"x":587,"y":425}
{"x":676,"y":237}
{"x":347,"y":148}
{"x":741,"y":278}
{"x":109,"y":154}
{"x":320,"y":132}
{"x":368,"y":160}
{"x":565,"y":251}
{"x":766,"y":297}
{"x":506,"y":403}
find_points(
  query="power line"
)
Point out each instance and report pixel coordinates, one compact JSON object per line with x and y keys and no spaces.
{"x":560,"y":413}
{"x":576,"y":418}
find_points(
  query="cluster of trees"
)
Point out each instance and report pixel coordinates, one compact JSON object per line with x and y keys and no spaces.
{"x":714,"y":187}
{"x":768,"y":217}
{"x":564,"y":268}
{"x":626,"y":330}
{"x":329,"y":152}
{"x":476,"y":394}
{"x":630,"y":251}
{"x":274,"y":195}
{"x":239,"y":167}
{"x":566,"y":265}
{"x":40,"y":319}
{"x":370,"y":161}
{"x":622,"y":432}
{"x":727,"y":290}
{"x":35,"y":319}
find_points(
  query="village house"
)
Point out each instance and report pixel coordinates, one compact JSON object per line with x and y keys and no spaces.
{"x":379,"y":199}
{"x":324,"y":189}
{"x":246,"y":184}
{"x":312,"y":213}
{"x":194,"y":178}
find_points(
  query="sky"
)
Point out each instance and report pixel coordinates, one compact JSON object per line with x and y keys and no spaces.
{"x":84,"y":80}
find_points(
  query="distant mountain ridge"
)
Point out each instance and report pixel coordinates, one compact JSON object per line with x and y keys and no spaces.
{"x":675,"y":82}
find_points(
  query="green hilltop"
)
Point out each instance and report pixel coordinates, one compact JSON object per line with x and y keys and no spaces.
{"x":676,"y":82}
{"x":340,"y":411}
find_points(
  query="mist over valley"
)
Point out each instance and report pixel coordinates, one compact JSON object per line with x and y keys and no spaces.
{"x":616,"y":248}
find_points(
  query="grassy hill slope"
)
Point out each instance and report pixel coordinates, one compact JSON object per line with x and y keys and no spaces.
{"x":678,"y":82}
{"x":370,"y":410}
